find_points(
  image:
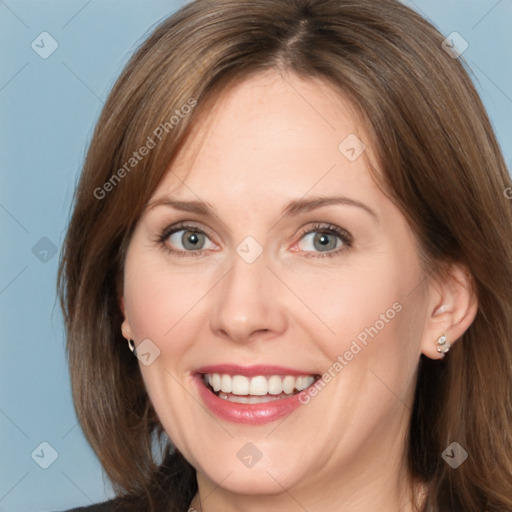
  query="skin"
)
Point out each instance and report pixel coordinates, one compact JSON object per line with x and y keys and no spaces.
{"x":268,"y":140}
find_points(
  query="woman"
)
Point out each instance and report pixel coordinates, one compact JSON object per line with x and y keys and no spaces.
{"x":294,"y":214}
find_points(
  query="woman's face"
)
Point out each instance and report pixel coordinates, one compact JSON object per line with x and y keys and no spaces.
{"x":304,"y":269}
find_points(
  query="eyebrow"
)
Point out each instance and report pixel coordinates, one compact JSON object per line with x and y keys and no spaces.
{"x":294,"y":207}
{"x":305,"y":205}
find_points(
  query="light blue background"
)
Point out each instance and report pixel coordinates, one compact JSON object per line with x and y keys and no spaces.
{"x":48,"y":110}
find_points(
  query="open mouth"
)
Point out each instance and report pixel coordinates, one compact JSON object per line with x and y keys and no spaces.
{"x":258,"y":389}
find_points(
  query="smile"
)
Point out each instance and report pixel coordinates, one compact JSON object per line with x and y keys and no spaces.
{"x":252,"y":395}
{"x":255,"y":390}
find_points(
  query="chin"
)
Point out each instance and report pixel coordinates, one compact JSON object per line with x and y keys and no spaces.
{"x":264,"y":480}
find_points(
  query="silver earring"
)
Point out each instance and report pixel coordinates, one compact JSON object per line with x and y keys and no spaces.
{"x":441,"y":345}
{"x":131,"y":346}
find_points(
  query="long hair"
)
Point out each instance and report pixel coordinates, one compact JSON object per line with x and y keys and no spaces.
{"x":439,"y":161}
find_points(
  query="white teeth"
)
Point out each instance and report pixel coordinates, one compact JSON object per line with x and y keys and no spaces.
{"x":215,"y":381}
{"x":257,"y":386}
{"x":288,"y":384}
{"x":303,"y":382}
{"x":225,"y":383}
{"x":249,"y":399}
{"x":275,"y":385}
{"x":239,"y":384}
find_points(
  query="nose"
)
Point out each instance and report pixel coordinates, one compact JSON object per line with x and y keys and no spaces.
{"x":249,"y":303}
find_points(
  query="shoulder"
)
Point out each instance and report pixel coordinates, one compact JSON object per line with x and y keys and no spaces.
{"x":124,"y":503}
{"x":106,"y":506}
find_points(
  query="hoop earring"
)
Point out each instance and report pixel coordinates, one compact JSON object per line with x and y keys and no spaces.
{"x":441,"y":345}
{"x":131,"y":346}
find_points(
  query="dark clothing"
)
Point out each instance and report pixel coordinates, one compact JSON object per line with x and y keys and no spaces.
{"x":106,"y":506}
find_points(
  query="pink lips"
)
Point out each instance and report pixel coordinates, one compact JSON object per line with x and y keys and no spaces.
{"x":249,"y":414}
{"x":250,"y":371}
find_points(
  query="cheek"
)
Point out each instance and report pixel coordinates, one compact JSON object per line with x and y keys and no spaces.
{"x":370,"y":329}
{"x":159,"y":301}
{"x":364,"y":300}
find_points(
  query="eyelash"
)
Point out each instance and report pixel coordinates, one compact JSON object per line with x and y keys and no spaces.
{"x":328,"y":229}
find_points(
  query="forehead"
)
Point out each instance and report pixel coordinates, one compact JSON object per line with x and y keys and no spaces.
{"x":269,"y":136}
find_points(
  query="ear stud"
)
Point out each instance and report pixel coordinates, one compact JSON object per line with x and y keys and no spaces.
{"x":442,"y":346}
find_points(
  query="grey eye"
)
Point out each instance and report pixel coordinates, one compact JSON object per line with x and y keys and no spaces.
{"x":321,"y":241}
{"x":189,"y":240}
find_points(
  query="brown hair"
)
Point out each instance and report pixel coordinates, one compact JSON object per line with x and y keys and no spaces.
{"x":440,"y":161}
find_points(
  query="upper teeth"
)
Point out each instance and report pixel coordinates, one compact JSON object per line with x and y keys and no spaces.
{"x":260,"y":385}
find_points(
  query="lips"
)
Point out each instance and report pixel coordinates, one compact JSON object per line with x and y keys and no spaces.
{"x":253,"y":394}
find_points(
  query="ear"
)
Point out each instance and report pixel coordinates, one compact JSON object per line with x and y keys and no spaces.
{"x":452,"y":307}
{"x":125,"y":326}
{"x":126,"y":330}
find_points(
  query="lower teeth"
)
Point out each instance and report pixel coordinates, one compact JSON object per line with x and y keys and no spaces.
{"x":251,"y":399}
